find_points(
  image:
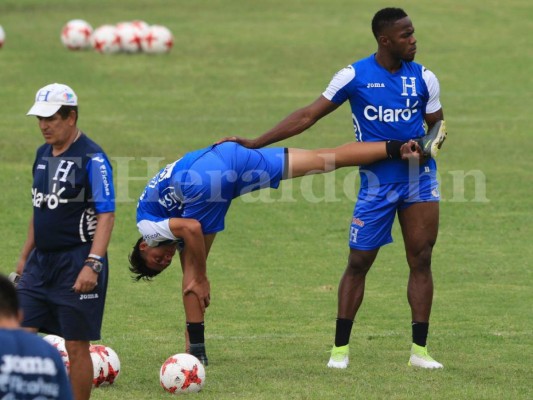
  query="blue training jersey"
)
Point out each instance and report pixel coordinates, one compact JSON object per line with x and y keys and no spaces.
{"x":387,"y":106}
{"x":159,"y":201}
{"x":201,"y":186}
{"x":68,"y":192}
{"x":31,"y":368}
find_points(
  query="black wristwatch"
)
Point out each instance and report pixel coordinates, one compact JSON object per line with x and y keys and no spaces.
{"x":95,"y":265}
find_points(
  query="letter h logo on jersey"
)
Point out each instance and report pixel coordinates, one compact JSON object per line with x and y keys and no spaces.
{"x":406,"y":86}
{"x":63,"y":170}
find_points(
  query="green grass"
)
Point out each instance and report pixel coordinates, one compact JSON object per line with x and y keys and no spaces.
{"x":238,"y":67}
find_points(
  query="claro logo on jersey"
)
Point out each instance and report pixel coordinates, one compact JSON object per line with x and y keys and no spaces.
{"x":52,"y":200}
{"x":379,"y":113}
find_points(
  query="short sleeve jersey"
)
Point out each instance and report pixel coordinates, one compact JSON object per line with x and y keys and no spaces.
{"x":68,"y":192}
{"x":201,"y":186}
{"x":386,"y":106}
{"x":31,"y":368}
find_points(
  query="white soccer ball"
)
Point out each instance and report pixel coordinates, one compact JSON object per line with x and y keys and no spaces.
{"x":2,"y":36}
{"x":105,"y":39}
{"x":76,"y":34}
{"x":106,"y":365}
{"x":182,"y":373}
{"x":113,"y":366}
{"x":100,"y":366}
{"x":130,"y":37}
{"x":157,"y":40}
{"x":59,"y":343}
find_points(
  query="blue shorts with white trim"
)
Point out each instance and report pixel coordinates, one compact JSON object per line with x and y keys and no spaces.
{"x":377,"y":206}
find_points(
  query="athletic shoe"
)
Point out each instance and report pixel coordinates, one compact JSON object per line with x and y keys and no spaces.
{"x":420,"y":358}
{"x":198,"y":350}
{"x":432,"y":142}
{"x":339,"y":357}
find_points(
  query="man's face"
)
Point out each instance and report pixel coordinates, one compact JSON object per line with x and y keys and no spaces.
{"x":157,"y":258}
{"x":402,"y":41}
{"x":56,"y":130}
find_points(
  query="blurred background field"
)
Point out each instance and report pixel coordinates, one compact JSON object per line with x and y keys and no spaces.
{"x":238,"y":67}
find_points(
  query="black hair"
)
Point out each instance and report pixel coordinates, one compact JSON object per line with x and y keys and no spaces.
{"x":9,"y":304}
{"x":138,"y":264}
{"x":385,"y":18}
{"x":64,"y":111}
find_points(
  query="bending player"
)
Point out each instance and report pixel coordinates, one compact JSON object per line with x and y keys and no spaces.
{"x":183,"y":207}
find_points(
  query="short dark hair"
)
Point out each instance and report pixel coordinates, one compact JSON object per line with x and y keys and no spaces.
{"x":9,"y":304}
{"x":138,"y":265}
{"x":64,"y":111}
{"x":385,"y":18}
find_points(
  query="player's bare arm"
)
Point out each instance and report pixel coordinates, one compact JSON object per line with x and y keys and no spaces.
{"x":431,"y":119}
{"x":87,"y":278}
{"x":193,"y":258}
{"x":293,"y":124}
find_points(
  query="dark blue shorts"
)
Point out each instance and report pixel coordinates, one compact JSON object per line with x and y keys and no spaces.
{"x":48,"y":301}
{"x":376,"y":209}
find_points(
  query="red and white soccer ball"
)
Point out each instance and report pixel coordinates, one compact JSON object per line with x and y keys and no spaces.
{"x":59,"y":343}
{"x":106,"y":365}
{"x":2,"y":36}
{"x":182,"y":373}
{"x":105,"y":39}
{"x":76,"y":34}
{"x":157,"y":40}
{"x":130,"y":37}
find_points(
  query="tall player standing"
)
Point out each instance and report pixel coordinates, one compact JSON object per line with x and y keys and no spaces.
{"x":391,"y":97}
{"x":63,"y":262}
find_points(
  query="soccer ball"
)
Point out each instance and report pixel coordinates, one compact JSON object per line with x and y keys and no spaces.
{"x":100,"y":367}
{"x":113,"y":366}
{"x":106,"y":365}
{"x":157,"y":40}
{"x":182,"y":373}
{"x":130,"y":37}
{"x":59,"y":343}
{"x":76,"y":34}
{"x":2,"y":36}
{"x":105,"y":39}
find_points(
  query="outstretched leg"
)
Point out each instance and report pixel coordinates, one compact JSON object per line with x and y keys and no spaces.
{"x":306,"y":162}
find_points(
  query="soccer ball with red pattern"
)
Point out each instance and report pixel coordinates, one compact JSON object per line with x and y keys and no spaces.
{"x":105,"y":39}
{"x":182,"y":373}
{"x":2,"y":36}
{"x":76,"y":34}
{"x":106,"y":365}
{"x":158,"y":39}
{"x":59,"y":343}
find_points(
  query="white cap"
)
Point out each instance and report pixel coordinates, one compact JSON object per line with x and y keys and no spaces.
{"x":50,"y":98}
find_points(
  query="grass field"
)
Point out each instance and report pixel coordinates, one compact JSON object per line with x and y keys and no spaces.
{"x":238,"y":67}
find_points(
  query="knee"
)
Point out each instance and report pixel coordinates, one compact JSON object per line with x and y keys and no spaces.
{"x":420,"y":259}
{"x":359,"y":262}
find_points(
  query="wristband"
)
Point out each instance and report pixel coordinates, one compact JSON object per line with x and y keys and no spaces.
{"x":393,"y":149}
{"x":96,"y":257}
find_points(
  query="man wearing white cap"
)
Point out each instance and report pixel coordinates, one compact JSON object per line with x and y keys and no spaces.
{"x":63,"y":263}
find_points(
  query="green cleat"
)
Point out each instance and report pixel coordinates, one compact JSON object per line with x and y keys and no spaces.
{"x":432,"y":142}
{"x":339,"y":357}
{"x":420,"y":358}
